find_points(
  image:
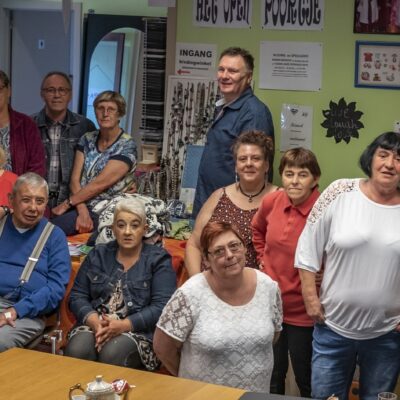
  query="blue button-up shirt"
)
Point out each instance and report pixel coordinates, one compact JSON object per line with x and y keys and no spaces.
{"x":217,"y":166}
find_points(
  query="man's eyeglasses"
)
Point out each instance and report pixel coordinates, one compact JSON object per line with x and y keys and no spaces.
{"x":62,"y":91}
{"x":233,"y":247}
{"x":108,"y":110}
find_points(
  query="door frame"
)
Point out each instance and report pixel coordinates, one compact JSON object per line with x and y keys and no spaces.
{"x":75,"y":38}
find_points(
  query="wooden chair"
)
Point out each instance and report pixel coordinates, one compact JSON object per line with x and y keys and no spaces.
{"x":54,"y":337}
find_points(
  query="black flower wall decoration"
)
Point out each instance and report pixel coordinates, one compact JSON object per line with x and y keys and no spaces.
{"x":342,"y":120}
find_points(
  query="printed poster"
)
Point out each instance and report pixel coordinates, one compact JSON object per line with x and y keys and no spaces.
{"x":296,"y":126}
{"x":290,"y":65}
{"x":194,"y":59}
{"x":222,"y":13}
{"x":292,"y":15}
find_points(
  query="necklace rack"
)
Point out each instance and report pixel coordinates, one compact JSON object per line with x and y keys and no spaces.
{"x":250,"y":196}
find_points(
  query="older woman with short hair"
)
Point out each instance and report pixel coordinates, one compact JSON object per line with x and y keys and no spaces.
{"x":119,"y":293}
{"x":354,"y":229}
{"x":237,"y":203}
{"x":276,"y":228}
{"x":103,"y":167}
{"x":220,"y":325}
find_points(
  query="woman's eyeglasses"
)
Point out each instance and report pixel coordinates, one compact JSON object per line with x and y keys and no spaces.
{"x":62,"y":91}
{"x":233,"y":247}
{"x":108,"y":110}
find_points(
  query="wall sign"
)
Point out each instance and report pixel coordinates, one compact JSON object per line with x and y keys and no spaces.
{"x":222,"y":13}
{"x":342,"y":121}
{"x":290,"y":65}
{"x":194,"y":59}
{"x":296,"y":126}
{"x":292,"y":14}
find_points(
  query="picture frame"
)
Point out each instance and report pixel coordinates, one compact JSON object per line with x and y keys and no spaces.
{"x":377,"y":17}
{"x":377,"y":65}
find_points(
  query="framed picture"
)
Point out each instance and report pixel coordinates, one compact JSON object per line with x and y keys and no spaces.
{"x":377,"y":16}
{"x":377,"y":65}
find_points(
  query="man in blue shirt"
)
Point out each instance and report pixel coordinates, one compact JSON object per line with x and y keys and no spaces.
{"x":23,"y":304}
{"x":239,"y":110}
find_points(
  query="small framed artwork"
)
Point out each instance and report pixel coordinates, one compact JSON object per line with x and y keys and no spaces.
{"x":377,"y":16}
{"x":377,"y":65}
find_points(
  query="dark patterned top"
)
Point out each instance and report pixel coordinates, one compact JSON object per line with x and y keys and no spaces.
{"x":226,"y":211}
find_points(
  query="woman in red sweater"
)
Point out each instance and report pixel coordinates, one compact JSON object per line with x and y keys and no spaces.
{"x":276,"y":228}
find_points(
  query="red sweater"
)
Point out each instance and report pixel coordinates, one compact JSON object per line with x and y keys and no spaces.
{"x":26,"y":147}
{"x":276,"y":228}
{"x":7,"y":180}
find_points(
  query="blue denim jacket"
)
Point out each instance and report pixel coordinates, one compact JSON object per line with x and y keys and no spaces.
{"x":74,"y":126}
{"x":148,"y":286}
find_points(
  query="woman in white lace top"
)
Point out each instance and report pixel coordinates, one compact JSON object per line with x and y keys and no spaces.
{"x":219,"y":327}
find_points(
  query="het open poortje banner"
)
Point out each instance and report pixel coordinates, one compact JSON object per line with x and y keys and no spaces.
{"x":292,"y":15}
{"x":222,"y":13}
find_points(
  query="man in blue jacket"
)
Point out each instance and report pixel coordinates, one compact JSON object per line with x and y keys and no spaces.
{"x":239,"y":110}
{"x":24,"y":299}
{"x":60,"y":130}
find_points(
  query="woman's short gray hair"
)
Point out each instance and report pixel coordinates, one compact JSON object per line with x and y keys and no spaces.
{"x":133,"y":206}
{"x":31,"y":179}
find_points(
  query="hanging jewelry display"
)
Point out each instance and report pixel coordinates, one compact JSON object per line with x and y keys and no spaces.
{"x":189,"y":114}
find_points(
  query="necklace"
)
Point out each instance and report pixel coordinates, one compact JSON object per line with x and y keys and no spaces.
{"x":250,"y":196}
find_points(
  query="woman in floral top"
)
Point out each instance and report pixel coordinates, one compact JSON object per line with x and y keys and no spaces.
{"x":103,"y":167}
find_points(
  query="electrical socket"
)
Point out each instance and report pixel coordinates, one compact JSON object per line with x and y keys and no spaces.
{"x":396,"y":126}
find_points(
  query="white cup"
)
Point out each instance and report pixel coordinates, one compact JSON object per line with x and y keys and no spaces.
{"x":387,"y":396}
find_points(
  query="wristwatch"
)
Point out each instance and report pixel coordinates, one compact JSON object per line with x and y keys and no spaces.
{"x":68,"y":202}
{"x":6,"y":209}
{"x":8,"y":315}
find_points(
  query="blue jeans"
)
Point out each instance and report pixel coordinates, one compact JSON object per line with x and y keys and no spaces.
{"x":335,"y":357}
{"x":67,"y":221}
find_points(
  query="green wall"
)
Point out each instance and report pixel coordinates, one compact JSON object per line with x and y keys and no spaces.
{"x":381,"y":107}
{"x":123,"y":7}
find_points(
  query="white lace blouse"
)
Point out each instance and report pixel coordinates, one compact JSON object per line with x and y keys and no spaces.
{"x":224,"y":344}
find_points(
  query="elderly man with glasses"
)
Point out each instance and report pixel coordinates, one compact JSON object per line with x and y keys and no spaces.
{"x":60,"y":130}
{"x":34,"y":264}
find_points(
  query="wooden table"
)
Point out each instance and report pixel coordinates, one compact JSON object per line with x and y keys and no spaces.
{"x":33,"y":375}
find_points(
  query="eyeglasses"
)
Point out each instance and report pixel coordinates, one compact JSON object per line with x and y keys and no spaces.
{"x":108,"y":110}
{"x":233,"y":247}
{"x":62,"y":91}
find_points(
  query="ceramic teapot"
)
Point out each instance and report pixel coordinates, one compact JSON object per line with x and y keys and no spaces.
{"x":96,"y":390}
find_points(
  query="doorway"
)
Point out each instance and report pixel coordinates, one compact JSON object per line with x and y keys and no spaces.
{"x":38,"y":45}
{"x":31,"y":35}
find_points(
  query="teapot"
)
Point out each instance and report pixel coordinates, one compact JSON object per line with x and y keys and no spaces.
{"x":96,"y":390}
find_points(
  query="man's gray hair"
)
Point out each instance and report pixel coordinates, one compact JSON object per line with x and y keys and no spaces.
{"x":31,"y":179}
{"x":133,"y":206}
